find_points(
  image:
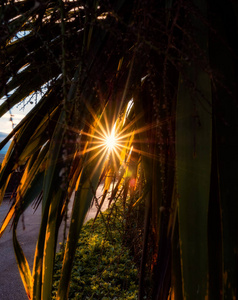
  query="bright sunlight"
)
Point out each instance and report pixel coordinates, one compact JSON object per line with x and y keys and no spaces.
{"x":111,"y":141}
{"x":109,"y":138}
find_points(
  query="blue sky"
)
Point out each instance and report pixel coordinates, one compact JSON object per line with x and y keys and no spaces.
{"x":4,"y":149}
{"x":6,"y":124}
{"x":17,"y":112}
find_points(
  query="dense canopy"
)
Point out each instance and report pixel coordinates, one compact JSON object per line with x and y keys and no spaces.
{"x":163,"y":76}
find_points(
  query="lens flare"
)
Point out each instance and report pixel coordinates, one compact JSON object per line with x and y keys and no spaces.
{"x":110,"y":141}
{"x":113,"y":139}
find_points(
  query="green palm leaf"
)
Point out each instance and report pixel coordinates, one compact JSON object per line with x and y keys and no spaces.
{"x":193,"y":155}
{"x":88,"y":59}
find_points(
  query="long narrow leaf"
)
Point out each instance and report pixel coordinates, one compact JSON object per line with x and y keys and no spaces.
{"x":193,"y":154}
{"x":22,"y":263}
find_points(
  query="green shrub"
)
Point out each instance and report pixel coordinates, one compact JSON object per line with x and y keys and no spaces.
{"x":103,"y":267}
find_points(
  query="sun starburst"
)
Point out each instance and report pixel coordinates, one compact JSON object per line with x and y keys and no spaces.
{"x":114,"y":139}
{"x":110,"y":141}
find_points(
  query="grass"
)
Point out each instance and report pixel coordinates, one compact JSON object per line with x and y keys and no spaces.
{"x":103,"y":267}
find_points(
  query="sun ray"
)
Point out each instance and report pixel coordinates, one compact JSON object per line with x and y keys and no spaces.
{"x":96,"y":118}
{"x":116,"y":138}
{"x":114,"y":160}
{"x":94,"y":129}
{"x":89,"y":149}
{"x":102,"y":138}
{"x":99,"y":161}
{"x":117,"y":154}
{"x":136,"y":131}
{"x":95,"y":155}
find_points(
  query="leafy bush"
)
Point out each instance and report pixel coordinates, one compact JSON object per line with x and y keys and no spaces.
{"x":103,"y":267}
